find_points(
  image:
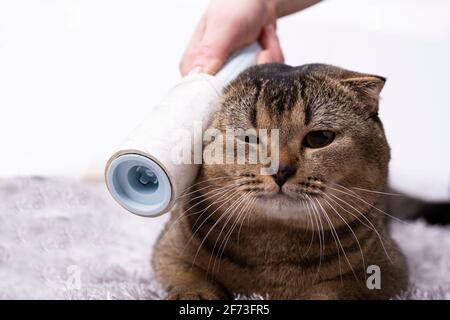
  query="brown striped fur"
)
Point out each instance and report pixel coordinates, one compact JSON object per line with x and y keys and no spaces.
{"x":232,"y":232}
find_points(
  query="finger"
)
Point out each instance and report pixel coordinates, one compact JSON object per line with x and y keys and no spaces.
{"x":271,"y":46}
{"x":264,"y":57}
{"x":189,"y":54}
{"x":214,"y":48}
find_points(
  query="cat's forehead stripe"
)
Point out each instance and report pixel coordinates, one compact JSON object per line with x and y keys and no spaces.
{"x":280,"y":97}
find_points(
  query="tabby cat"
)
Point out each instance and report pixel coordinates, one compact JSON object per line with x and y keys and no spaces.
{"x":314,"y":228}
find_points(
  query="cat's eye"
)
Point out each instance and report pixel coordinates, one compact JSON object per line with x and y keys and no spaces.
{"x":318,"y":139}
{"x":249,"y":138}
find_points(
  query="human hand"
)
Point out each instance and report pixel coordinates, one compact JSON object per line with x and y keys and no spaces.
{"x":227,"y":26}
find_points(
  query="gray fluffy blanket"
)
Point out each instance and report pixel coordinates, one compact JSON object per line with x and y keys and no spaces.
{"x":63,"y":239}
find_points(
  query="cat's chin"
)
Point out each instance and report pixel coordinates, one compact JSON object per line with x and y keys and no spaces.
{"x":281,"y":206}
{"x":286,"y":198}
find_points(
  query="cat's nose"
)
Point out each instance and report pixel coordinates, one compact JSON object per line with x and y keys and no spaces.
{"x":283,"y":174}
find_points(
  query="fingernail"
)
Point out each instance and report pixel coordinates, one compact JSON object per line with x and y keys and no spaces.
{"x":264,"y":57}
{"x":212,"y":66}
{"x":195,"y":70}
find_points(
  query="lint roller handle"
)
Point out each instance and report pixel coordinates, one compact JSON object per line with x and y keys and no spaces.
{"x":238,"y":62}
{"x":141,"y":175}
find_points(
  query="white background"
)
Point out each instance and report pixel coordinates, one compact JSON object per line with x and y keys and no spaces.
{"x":77,"y":75}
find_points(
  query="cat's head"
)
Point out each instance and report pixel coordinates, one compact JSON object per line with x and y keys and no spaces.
{"x":330,"y":137}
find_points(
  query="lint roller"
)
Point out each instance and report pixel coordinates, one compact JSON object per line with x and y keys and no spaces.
{"x":142,"y":174}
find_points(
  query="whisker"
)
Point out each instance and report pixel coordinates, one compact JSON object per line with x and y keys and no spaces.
{"x":209,"y":192}
{"x":204,"y":181}
{"x":374,"y":228}
{"x":217,"y":221}
{"x":236,"y":203}
{"x":183,"y":195}
{"x":184,"y":214}
{"x":247,"y":213}
{"x":320,"y":233}
{"x":222,"y":192}
{"x":351,"y":230}
{"x":377,"y":192}
{"x":369,"y":204}
{"x":228,"y":235}
{"x":337,"y":241}
{"x":229,"y":198}
{"x":225,"y":189}
{"x":238,"y":217}
{"x":310,"y":221}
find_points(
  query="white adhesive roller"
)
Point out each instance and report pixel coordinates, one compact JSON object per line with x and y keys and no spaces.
{"x":142,"y":176}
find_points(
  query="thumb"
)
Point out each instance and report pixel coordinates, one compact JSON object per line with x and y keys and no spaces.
{"x":271,"y":46}
{"x":214,"y":48}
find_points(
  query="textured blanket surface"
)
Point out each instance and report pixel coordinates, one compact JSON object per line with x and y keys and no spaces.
{"x":62,"y":239}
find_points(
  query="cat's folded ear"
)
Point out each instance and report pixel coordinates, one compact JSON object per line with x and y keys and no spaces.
{"x":366,"y":87}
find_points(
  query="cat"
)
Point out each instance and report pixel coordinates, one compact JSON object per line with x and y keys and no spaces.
{"x":312,"y":229}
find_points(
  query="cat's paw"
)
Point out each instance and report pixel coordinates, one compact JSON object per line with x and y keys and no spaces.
{"x":192,"y":295}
